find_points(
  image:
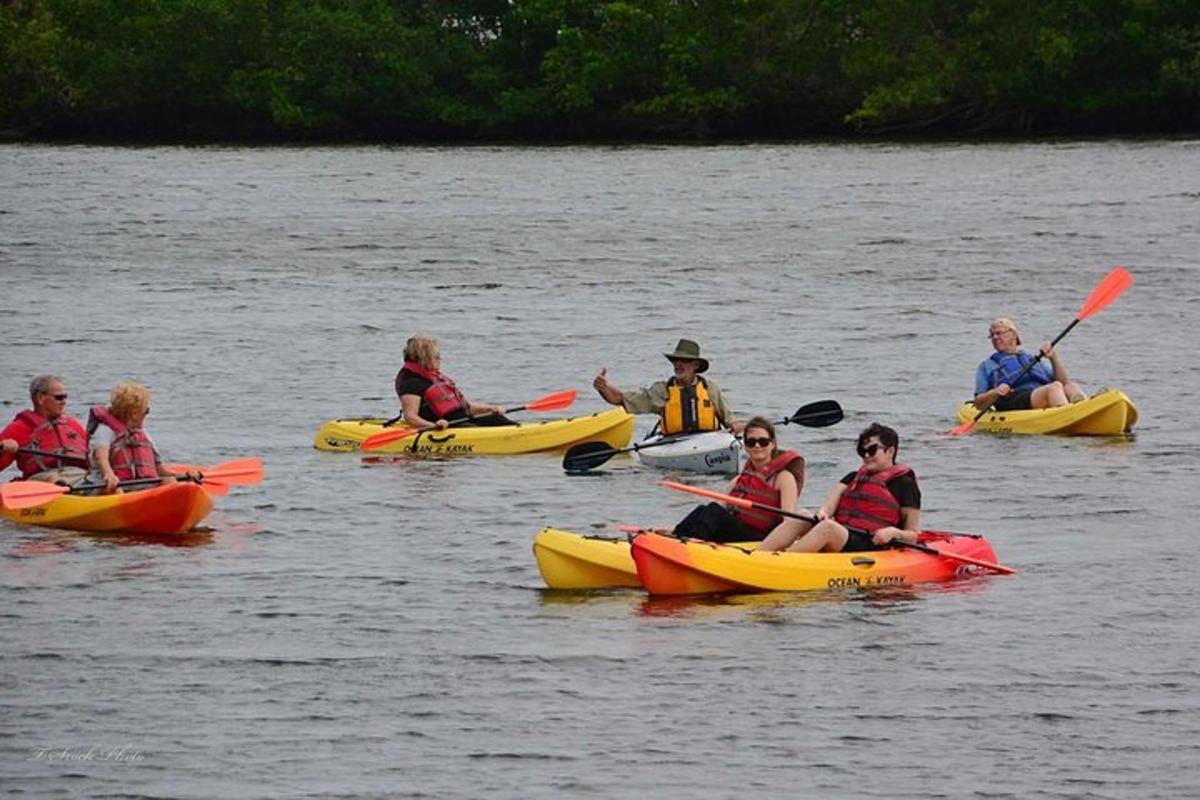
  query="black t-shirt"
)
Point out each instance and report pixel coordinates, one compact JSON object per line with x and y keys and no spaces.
{"x":411,"y":383}
{"x":903,"y":487}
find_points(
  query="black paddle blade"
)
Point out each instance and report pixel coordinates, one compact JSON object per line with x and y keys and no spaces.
{"x":820,"y":414}
{"x":587,"y":455}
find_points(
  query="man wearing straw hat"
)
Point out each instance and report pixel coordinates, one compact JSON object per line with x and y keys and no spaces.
{"x":685,"y":403}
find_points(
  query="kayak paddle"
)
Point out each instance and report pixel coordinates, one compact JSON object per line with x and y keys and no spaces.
{"x":744,"y":503}
{"x":76,"y":460}
{"x":27,"y":494}
{"x":589,"y":455}
{"x":551,"y":402}
{"x":1106,"y":291}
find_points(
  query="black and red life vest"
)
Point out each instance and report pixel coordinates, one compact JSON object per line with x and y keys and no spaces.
{"x":442,"y":397}
{"x":758,"y":485}
{"x":866,"y":504}
{"x":61,"y":435}
{"x":131,"y":455}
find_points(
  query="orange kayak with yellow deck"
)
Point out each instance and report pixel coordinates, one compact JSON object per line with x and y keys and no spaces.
{"x":174,"y":508}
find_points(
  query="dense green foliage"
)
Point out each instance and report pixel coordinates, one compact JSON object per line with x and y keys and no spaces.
{"x":404,"y":69}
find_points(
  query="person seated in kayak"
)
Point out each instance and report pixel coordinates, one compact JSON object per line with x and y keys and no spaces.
{"x":685,"y":403}
{"x":429,"y":399}
{"x":121,"y":448}
{"x":1043,"y":386}
{"x":870,"y":507}
{"x":771,"y":476}
{"x":47,"y":444}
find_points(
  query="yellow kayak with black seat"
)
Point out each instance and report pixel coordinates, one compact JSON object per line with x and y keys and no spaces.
{"x":1108,"y":413}
{"x":613,"y":427}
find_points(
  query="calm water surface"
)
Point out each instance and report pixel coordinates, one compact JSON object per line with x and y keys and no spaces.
{"x":351,"y":631}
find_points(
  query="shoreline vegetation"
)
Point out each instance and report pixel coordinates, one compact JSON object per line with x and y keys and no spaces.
{"x":579,"y":70}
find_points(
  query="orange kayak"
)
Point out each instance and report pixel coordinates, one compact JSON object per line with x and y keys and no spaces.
{"x":175,"y":508}
{"x":666,"y":565}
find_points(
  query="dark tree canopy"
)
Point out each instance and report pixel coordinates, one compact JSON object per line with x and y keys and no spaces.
{"x":581,"y":69}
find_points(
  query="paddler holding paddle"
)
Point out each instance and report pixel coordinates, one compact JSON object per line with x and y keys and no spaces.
{"x":121,"y":448}
{"x":1010,"y":380}
{"x":685,"y":403}
{"x":47,"y":444}
{"x":868,"y":508}
{"x":429,"y":399}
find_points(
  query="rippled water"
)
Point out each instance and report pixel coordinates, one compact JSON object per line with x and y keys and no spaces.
{"x":353,"y":631}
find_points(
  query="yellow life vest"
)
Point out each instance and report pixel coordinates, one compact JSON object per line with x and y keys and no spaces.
{"x":689,"y":409}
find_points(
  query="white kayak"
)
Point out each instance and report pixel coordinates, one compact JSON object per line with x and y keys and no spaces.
{"x":711,"y":453}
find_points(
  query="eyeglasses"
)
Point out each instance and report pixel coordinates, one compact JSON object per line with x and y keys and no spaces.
{"x":58,"y":397}
{"x":1001,"y":332}
{"x":752,"y":441}
{"x":869,"y":450}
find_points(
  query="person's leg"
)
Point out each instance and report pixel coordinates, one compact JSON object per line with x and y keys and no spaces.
{"x":826,"y":536}
{"x":1075,"y":392}
{"x":1049,"y":396}
{"x":785,"y":534}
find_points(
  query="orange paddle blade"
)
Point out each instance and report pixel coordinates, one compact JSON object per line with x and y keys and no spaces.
{"x":924,"y":548}
{"x":553,"y":401}
{"x":709,"y":493}
{"x":240,"y":472}
{"x":964,"y":428}
{"x":378,"y":440}
{"x":27,"y":494}
{"x":1109,"y":289}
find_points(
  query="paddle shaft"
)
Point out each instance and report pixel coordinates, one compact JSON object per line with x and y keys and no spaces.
{"x":31,"y":451}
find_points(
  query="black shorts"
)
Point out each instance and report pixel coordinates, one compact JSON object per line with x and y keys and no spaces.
{"x":1015,"y":401}
{"x":714,"y":523}
{"x":859,"y":542}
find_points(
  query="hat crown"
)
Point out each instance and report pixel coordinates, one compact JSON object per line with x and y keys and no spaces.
{"x":686,"y":349}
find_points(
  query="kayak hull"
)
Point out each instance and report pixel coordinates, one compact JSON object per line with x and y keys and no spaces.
{"x":670,"y":566}
{"x":613,"y":427}
{"x":1109,"y":413}
{"x":573,"y":561}
{"x":710,"y":453}
{"x":570,"y":560}
{"x":175,"y":508}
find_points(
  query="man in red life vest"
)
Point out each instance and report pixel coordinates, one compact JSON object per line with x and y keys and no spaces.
{"x":870,"y":507}
{"x":47,"y":444}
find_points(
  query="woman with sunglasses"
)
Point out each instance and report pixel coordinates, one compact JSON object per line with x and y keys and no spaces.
{"x":999,"y":378}
{"x":47,"y":444}
{"x":771,"y":477}
{"x":870,"y":507}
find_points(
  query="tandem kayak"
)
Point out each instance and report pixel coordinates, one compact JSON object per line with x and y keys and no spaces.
{"x":570,"y":560}
{"x":711,"y":453}
{"x":671,"y":566}
{"x":1109,"y":413}
{"x":613,"y":427}
{"x":174,"y":508}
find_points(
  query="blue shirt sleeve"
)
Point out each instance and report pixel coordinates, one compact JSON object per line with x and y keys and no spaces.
{"x":983,"y":376}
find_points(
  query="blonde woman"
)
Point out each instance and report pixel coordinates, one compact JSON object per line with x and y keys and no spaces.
{"x":429,"y":399}
{"x":121,"y":448}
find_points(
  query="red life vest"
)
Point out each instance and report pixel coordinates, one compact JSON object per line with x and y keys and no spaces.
{"x":442,"y":397}
{"x":866,"y":504}
{"x":61,"y":435}
{"x":131,"y":454}
{"x":758,"y":485}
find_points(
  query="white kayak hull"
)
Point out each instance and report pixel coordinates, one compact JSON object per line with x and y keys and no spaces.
{"x":711,"y":453}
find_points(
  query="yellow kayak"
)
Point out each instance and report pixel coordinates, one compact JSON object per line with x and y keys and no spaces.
{"x":574,"y":561}
{"x":1109,"y":413}
{"x":613,"y":427}
{"x":174,"y":508}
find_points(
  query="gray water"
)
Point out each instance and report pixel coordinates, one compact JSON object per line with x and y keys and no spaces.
{"x":352,"y":631}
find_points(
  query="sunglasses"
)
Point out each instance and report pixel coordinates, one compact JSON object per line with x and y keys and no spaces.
{"x":752,"y":441}
{"x":59,"y":397}
{"x":869,"y":450}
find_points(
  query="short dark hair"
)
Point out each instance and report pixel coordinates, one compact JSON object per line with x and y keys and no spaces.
{"x":887,"y":436}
